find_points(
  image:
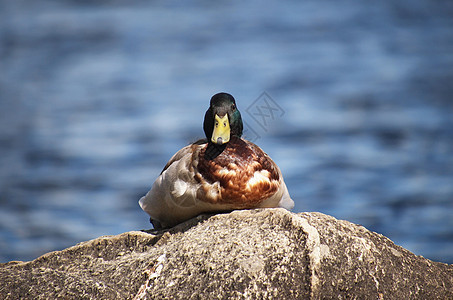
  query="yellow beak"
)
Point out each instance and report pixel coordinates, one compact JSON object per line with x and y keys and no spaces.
{"x":221,"y":133}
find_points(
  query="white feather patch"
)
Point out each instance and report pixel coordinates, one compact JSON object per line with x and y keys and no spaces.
{"x":258,"y":176}
{"x":226,"y":171}
{"x":179,"y":188}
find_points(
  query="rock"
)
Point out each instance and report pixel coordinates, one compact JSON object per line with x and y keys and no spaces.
{"x":256,"y":254}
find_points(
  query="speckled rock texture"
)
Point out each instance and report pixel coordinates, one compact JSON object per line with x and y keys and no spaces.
{"x":249,"y":254}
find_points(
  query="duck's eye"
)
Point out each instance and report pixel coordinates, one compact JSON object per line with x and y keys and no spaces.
{"x":233,"y":106}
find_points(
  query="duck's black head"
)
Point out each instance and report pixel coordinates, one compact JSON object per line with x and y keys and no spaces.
{"x":222,"y":120}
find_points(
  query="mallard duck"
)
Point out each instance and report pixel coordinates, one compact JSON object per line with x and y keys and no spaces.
{"x":220,"y":173}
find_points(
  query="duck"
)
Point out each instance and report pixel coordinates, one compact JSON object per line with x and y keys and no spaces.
{"x":220,"y":173}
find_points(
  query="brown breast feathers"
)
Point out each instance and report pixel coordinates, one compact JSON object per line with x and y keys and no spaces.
{"x":242,"y":174}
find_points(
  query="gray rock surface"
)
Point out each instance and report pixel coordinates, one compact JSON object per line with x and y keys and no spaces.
{"x":256,"y":254}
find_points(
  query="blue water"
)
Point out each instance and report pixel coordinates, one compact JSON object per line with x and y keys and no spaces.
{"x":96,"y":96}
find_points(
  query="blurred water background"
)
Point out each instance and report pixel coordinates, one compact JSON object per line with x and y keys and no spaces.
{"x":96,"y":96}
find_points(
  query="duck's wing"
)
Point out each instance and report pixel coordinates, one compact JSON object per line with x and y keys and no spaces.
{"x":173,"y":196}
{"x":184,"y":151}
